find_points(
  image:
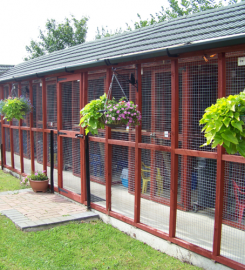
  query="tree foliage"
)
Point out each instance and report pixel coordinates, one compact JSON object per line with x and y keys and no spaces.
{"x":58,"y":36}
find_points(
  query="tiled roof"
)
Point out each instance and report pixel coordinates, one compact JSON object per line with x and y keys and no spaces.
{"x":222,"y":23}
{"x":4,"y":68}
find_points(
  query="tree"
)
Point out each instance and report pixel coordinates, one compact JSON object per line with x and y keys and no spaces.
{"x":105,"y":32}
{"x":58,"y":36}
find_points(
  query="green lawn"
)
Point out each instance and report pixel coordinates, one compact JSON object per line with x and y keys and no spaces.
{"x":9,"y":182}
{"x":93,"y":245}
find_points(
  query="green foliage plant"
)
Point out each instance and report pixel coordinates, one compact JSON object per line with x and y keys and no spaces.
{"x":14,"y":107}
{"x":224,"y":124}
{"x":35,"y":176}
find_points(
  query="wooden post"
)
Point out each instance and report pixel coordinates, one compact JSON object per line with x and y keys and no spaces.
{"x":138,"y":150}
{"x":220,"y":164}
{"x":2,"y":130}
{"x":108,"y":151}
{"x":83,"y":102}
{"x":44,"y":103}
{"x":174,"y":145}
{"x":31,"y":132}
{"x":11,"y":135}
{"x":59,"y":138}
{"x":21,"y":137}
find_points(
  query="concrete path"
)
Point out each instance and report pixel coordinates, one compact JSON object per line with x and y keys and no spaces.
{"x":32,"y":211}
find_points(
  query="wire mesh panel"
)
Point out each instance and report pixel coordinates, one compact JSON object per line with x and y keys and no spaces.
{"x":25,"y":92}
{"x":38,"y":150}
{"x":14,"y":93}
{"x":5,"y":95}
{"x":155,"y":189}
{"x":123,"y":180}
{"x":198,"y":90}
{"x":27,"y":151}
{"x":96,"y":88}
{"x":70,"y":105}
{"x":233,"y":227}
{"x":156,"y":102}
{"x":55,"y":173}
{"x":97,"y":173}
{"x":195,"y":224}
{"x":7,"y":146}
{"x":1,"y":139}
{"x":37,"y":104}
{"x":51,"y":106}
{"x":16,"y":149}
{"x":125,"y":74}
{"x":71,"y":157}
{"x":235,"y":74}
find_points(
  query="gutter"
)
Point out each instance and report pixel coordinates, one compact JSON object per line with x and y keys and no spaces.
{"x":212,"y":43}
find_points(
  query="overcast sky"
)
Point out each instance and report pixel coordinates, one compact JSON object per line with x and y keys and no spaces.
{"x":20,"y":20}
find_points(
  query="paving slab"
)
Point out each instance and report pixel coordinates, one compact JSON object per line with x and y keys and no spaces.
{"x":32,"y":211}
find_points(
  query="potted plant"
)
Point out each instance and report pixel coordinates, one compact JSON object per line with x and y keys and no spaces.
{"x":224,"y":124}
{"x":14,"y":107}
{"x":100,"y":112}
{"x":38,"y":181}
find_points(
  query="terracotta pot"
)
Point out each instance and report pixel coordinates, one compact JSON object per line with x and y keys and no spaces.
{"x":39,"y":186}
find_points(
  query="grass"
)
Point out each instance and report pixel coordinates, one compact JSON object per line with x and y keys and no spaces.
{"x":9,"y":182}
{"x":93,"y":245}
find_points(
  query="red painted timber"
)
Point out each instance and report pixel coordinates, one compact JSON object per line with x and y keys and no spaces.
{"x":84,"y":101}
{"x":220,"y":164}
{"x":196,"y":153}
{"x":20,"y":137}
{"x":174,"y":145}
{"x":137,"y":187}
{"x":11,"y":134}
{"x":98,"y":208}
{"x":59,"y":138}
{"x":122,"y":143}
{"x":96,"y":139}
{"x":233,"y":158}
{"x":2,"y":130}
{"x":230,"y":263}
{"x":154,"y":147}
{"x":108,"y":151}
{"x":44,"y":110}
{"x":31,"y":132}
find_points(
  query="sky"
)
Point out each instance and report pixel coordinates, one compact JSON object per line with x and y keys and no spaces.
{"x":20,"y":20}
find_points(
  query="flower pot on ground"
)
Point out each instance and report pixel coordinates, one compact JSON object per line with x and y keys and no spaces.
{"x":100,"y":112}
{"x":15,"y":107}
{"x":38,"y":181}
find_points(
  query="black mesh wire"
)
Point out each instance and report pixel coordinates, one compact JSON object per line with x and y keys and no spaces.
{"x":123,"y":180}
{"x":7,"y":146}
{"x":26,"y":151}
{"x":70,"y":105}
{"x":37,"y":105}
{"x":156,"y":102}
{"x":125,"y":73}
{"x":233,"y":227}
{"x":1,"y":139}
{"x":155,"y":189}
{"x":16,"y":149}
{"x":25,"y":92}
{"x":97,"y":173}
{"x":51,"y":106}
{"x":235,"y":74}
{"x":199,"y":90}
{"x":198,"y":187}
{"x":96,"y":88}
{"x":71,"y":157}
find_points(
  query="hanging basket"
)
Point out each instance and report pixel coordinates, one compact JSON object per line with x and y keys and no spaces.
{"x":115,"y":124}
